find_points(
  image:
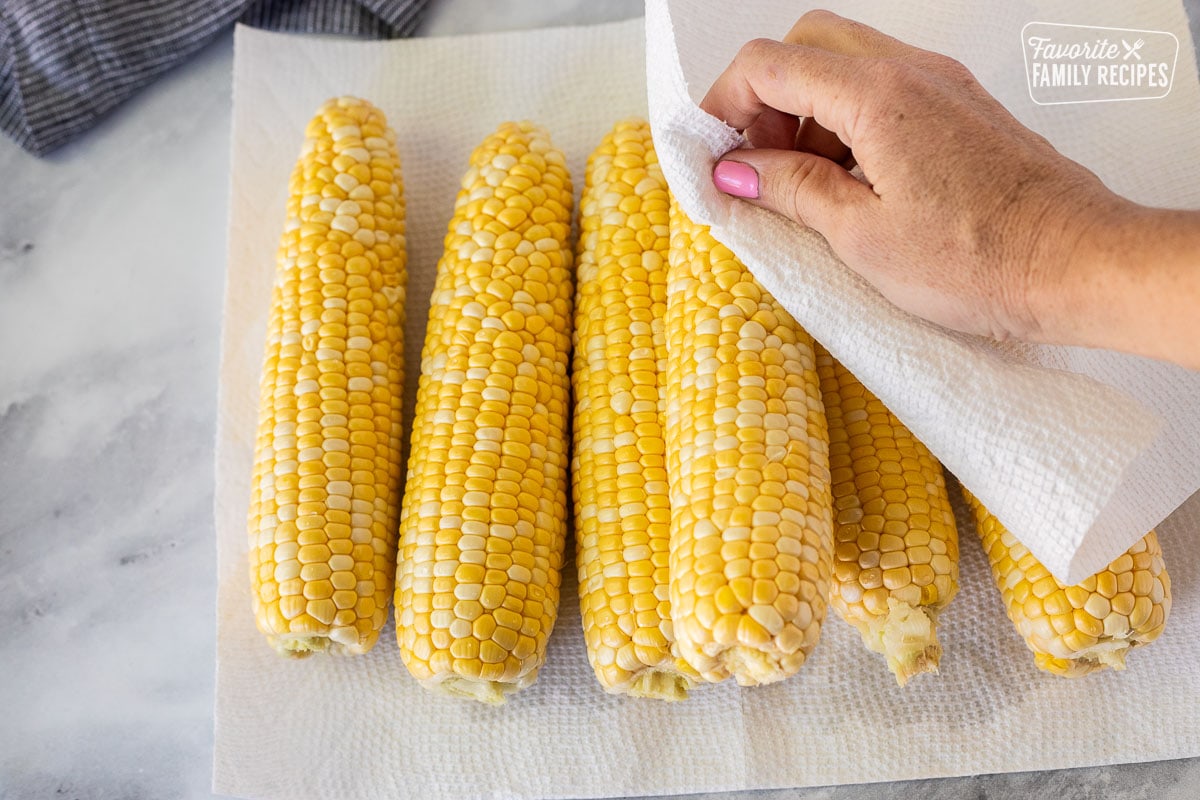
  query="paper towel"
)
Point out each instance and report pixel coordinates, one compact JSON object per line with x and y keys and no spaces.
{"x":1078,"y":463}
{"x":361,"y":727}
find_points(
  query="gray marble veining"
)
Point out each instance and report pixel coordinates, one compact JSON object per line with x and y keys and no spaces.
{"x":111,"y":273}
{"x":112,"y":258}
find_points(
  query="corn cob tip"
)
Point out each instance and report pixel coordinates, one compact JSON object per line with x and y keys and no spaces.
{"x":907,"y":638}
{"x":660,"y":684}
{"x":1075,"y":630}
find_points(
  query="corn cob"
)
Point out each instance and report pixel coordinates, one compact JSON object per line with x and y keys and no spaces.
{"x":1074,"y":630}
{"x":323,"y":503}
{"x":895,"y":563}
{"x":751,"y":530}
{"x":483,"y":520}
{"x":619,"y":472}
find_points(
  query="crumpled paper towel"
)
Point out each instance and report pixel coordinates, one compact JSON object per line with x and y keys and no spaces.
{"x":1078,"y":463}
{"x":362,"y":728}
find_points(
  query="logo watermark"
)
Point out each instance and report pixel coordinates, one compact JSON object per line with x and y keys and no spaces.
{"x":1088,"y":64}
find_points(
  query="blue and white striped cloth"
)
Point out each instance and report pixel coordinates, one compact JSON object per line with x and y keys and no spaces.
{"x":65,"y":63}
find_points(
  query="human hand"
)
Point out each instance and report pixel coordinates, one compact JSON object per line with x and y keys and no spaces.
{"x":967,"y":217}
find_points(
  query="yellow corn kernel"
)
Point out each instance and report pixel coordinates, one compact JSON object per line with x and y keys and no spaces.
{"x":483,"y":521}
{"x":1074,"y":630}
{"x":619,"y":472}
{"x":748,"y":452}
{"x":323,"y":504}
{"x":895,"y":561}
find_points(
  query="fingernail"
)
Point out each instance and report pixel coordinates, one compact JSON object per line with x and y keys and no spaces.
{"x":736,"y":178}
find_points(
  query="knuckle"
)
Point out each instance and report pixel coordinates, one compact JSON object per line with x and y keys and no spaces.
{"x":813,"y":23}
{"x":755,"y":50}
{"x":860,"y":32}
{"x":954,"y":69}
{"x":819,"y":16}
{"x":953,"y":65}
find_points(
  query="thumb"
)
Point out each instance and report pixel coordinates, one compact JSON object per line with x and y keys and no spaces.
{"x":804,"y":187}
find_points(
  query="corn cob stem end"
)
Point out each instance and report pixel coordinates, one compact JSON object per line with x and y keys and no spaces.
{"x":750,"y":666}
{"x":1106,"y":653}
{"x":299,"y":646}
{"x":660,"y":685}
{"x":303,"y":646}
{"x":492,"y":693}
{"x":907,"y":637}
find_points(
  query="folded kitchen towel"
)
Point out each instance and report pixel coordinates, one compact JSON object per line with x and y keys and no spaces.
{"x":64,"y":63}
{"x":1078,"y":460}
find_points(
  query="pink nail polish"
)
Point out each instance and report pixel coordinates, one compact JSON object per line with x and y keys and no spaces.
{"x":736,"y":178}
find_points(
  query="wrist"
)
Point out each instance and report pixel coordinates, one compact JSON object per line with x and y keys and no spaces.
{"x":1130,"y":282}
{"x":1085,"y":273}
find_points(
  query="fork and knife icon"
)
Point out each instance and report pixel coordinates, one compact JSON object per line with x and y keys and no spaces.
{"x":1132,"y":49}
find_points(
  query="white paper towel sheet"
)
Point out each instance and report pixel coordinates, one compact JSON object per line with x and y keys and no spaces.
{"x":1074,"y":467}
{"x":362,"y":728}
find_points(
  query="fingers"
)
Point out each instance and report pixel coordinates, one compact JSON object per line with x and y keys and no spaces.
{"x":821,"y":69}
{"x":773,"y":129}
{"x":804,"y":187}
{"x":768,"y":77}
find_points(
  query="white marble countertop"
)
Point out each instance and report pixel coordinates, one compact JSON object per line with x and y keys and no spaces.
{"x":112,"y":255}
